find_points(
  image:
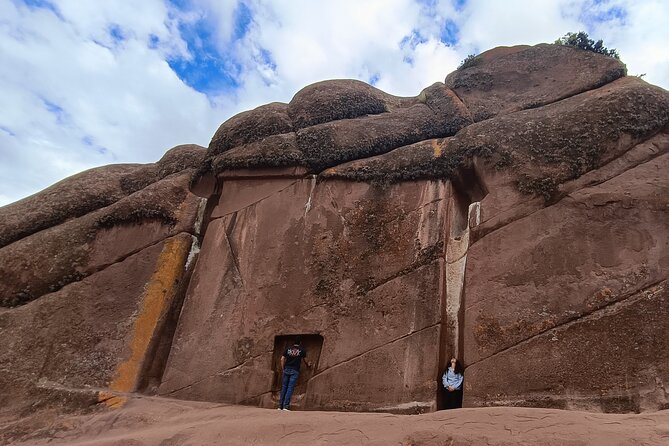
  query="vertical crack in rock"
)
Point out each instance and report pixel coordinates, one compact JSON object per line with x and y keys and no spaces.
{"x":197,"y":228}
{"x":233,"y":250}
{"x":307,"y":205}
{"x":463,"y":214}
{"x":158,"y":355}
{"x":155,"y":305}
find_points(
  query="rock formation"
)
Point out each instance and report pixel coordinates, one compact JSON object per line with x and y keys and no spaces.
{"x":516,"y":216}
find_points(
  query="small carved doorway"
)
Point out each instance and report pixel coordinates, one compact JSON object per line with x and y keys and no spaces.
{"x":312,"y":343}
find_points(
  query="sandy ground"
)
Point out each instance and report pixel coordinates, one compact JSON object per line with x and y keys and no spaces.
{"x":165,"y":422}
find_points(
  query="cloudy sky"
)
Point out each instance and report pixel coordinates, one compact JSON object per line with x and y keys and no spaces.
{"x":89,"y":82}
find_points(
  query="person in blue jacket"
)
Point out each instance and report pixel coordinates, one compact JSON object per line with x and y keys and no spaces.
{"x":290,"y":364}
{"x":452,"y":381}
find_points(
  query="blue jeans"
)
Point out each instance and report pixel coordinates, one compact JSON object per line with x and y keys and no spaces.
{"x":287,"y":386}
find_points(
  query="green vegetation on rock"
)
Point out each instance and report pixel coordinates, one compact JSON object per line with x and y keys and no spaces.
{"x":582,"y":41}
{"x":469,"y":61}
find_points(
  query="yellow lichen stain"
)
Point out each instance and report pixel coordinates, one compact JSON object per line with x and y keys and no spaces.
{"x":111,"y":400}
{"x":436,"y":147}
{"x":156,"y":301}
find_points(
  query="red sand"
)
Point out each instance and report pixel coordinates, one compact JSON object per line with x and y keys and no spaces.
{"x":165,"y":422}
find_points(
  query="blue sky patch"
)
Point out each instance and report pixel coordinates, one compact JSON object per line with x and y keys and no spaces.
{"x":154,"y":41}
{"x":184,"y":5}
{"x":43,"y":4}
{"x":450,"y":33}
{"x":211,"y":69}
{"x":413,"y":40}
{"x":374,"y":79}
{"x":597,"y":12}
{"x":55,"y":109}
{"x":116,"y":33}
{"x":267,"y":59}
{"x":7,"y":131}
{"x":614,"y":13}
{"x":459,"y":5}
{"x":206,"y":70}
{"x":89,"y":141}
{"x":242,"y":20}
{"x":430,"y":5}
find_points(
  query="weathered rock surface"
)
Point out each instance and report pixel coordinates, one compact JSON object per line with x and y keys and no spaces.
{"x":94,"y":333}
{"x":340,"y":99}
{"x":544,"y":136}
{"x":251,"y":126}
{"x":542,"y":148}
{"x":88,"y":191}
{"x":50,"y":259}
{"x":515,"y":217}
{"x":570,"y":262}
{"x":347,"y":252}
{"x":154,"y":421}
{"x":324,"y":132}
{"x":90,"y":299}
{"x":508,"y":79}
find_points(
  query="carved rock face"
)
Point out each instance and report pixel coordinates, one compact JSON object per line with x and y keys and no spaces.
{"x":514,"y":216}
{"x":358,"y":265}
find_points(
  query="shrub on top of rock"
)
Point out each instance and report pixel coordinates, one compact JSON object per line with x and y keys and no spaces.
{"x":469,"y":61}
{"x":582,"y":41}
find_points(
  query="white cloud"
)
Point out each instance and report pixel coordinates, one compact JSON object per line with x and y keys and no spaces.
{"x":641,"y":38}
{"x":486,"y":24}
{"x":76,"y":103}
{"x":77,"y":96}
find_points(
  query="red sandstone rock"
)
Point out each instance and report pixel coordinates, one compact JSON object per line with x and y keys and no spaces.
{"x":152,"y":421}
{"x":251,"y":126}
{"x":315,"y":258}
{"x":87,"y":191}
{"x":504,"y":80}
{"x":95,"y":333}
{"x":532,"y":239}
{"x":50,"y":259}
{"x":571,"y":261}
{"x":340,"y":99}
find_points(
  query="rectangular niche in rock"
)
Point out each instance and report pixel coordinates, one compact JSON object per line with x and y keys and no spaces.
{"x":312,"y":343}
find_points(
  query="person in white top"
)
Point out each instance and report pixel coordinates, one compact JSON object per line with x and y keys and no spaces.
{"x":452,"y":381}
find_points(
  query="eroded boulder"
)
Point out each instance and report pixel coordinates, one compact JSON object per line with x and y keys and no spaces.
{"x":50,"y":259}
{"x":90,"y":190}
{"x":90,"y":291}
{"x":514,"y":216}
{"x":504,"y":80}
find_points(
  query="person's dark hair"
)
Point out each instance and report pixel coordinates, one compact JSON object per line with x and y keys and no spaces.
{"x":298,"y":340}
{"x":458,"y":367}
